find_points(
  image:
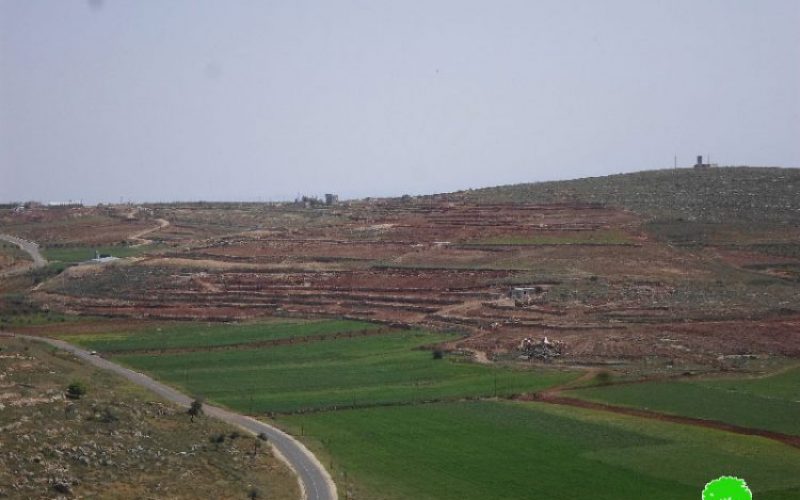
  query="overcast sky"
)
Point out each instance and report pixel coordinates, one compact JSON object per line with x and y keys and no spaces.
{"x":262,"y":100}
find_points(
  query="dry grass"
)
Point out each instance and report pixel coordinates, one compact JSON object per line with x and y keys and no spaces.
{"x":117,"y":441}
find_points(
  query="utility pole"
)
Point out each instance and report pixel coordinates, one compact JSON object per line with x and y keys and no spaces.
{"x":494,"y":371}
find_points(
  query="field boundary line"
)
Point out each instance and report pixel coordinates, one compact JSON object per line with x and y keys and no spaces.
{"x":552,"y":398}
{"x":257,"y":344}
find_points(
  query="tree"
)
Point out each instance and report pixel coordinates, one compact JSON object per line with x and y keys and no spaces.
{"x":195,"y":409}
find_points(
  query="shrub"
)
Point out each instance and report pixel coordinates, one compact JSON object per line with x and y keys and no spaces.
{"x":438,"y":354}
{"x":106,"y":416}
{"x":603,"y":377}
{"x":75,"y":390}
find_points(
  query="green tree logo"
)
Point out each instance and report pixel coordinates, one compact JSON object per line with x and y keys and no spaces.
{"x":727,"y":488}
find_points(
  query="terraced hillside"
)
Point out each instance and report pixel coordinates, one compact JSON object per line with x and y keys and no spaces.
{"x":691,"y":269}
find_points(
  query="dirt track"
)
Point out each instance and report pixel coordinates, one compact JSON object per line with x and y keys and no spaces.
{"x":28,"y":246}
{"x":138,"y":236}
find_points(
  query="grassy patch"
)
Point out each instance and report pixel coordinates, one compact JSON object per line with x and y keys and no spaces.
{"x":771,"y":403}
{"x":507,"y":450}
{"x":783,"y":386}
{"x":366,"y":371}
{"x":17,"y":310}
{"x":572,"y":238}
{"x":212,"y":334}
{"x":76,"y":254}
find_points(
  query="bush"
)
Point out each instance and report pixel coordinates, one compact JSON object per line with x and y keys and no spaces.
{"x":438,"y":354}
{"x":603,"y":377}
{"x":106,"y":416}
{"x":75,"y":390}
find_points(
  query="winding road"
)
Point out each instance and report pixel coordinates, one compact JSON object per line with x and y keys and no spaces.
{"x":28,"y":246}
{"x":139,"y":237}
{"x":315,"y":482}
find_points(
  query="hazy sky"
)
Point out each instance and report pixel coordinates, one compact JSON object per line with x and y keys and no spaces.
{"x":223,"y":100}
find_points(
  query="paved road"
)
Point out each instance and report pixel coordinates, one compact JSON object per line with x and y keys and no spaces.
{"x":28,"y":246}
{"x":315,"y":482}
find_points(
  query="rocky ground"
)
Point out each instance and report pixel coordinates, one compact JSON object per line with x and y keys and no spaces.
{"x":116,"y":441}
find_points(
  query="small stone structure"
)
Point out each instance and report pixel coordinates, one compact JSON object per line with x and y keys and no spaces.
{"x":527,"y":295}
{"x":545,"y":349}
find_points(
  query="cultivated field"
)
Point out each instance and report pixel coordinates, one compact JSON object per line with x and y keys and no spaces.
{"x":533,"y":450}
{"x":393,"y":422}
{"x":76,"y":254}
{"x":74,"y":226}
{"x":186,"y":337}
{"x":770,"y":403}
{"x":277,"y":368}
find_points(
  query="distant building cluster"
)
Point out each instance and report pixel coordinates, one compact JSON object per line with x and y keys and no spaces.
{"x":32,"y":205}
{"x":313,"y":201}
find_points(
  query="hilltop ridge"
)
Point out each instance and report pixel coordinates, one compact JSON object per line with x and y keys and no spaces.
{"x":725,"y":194}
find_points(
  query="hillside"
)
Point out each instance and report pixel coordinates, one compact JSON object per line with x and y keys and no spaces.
{"x":353,"y":327}
{"x":729,"y":194}
{"x":116,"y":440}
